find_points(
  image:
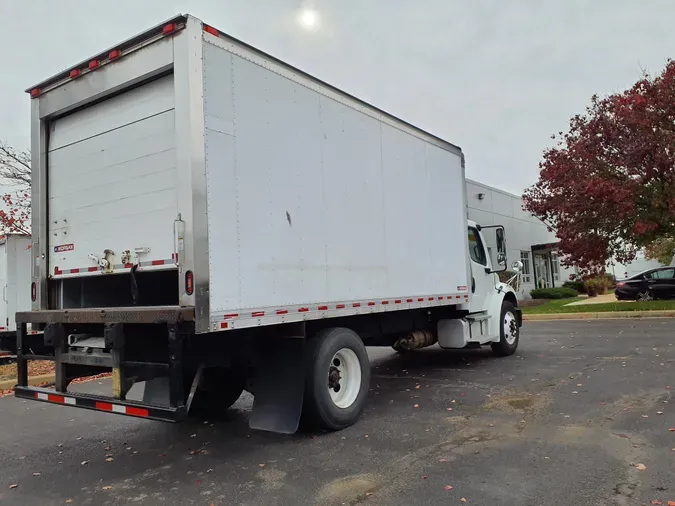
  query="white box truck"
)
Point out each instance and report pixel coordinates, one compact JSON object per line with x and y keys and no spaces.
{"x":208,"y":219}
{"x":15,"y":272}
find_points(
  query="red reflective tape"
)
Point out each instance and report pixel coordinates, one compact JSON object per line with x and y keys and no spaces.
{"x":420,"y":299}
{"x":223,"y":325}
{"x":128,"y":266}
{"x":92,"y":269}
{"x":409,"y":300}
{"x":371,"y":303}
{"x":233,"y":315}
{"x":440,"y":298}
{"x":458,"y":296}
{"x":57,"y":271}
{"x":158,"y":262}
{"x":431,"y":298}
{"x":356,"y":304}
{"x":323,"y":308}
{"x":397,"y":301}
{"x":130,"y":410}
{"x":55,"y":398}
{"x":282,"y":311}
{"x":75,"y":271}
{"x":385,"y":302}
{"x":104,"y":406}
{"x":339,"y":306}
{"x":303,"y":310}
{"x":258,"y":314}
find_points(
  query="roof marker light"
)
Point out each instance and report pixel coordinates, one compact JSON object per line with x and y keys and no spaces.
{"x":74,"y":73}
{"x":170,"y":28}
{"x":35,"y":92}
{"x":114,"y":54}
{"x":93,"y":64}
{"x":211,"y":30}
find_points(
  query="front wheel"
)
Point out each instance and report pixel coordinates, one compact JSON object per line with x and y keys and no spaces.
{"x":509,"y":331}
{"x":337,"y":377}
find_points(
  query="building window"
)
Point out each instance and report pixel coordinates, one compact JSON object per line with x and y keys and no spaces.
{"x":556,"y":267}
{"x":527,"y":271}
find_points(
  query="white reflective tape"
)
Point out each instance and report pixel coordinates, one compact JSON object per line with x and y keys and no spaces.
{"x":70,"y":400}
{"x":119,"y":409}
{"x":42,"y":397}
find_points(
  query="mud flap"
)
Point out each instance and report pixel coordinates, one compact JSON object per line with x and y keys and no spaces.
{"x":279,"y":385}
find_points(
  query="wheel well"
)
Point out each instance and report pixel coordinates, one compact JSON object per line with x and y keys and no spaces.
{"x":511,"y":298}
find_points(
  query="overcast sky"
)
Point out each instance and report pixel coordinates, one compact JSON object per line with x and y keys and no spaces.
{"x":497,"y":78}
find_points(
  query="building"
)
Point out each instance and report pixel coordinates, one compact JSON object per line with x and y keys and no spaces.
{"x":527,"y":238}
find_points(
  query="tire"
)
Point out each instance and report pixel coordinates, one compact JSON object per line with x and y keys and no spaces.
{"x":508,"y":344}
{"x":219,"y":389}
{"x":335,"y":357}
{"x":644,"y":296}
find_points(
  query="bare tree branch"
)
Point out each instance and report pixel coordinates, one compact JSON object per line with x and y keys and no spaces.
{"x":14,"y":166}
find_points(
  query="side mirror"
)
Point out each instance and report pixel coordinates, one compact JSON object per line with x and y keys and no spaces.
{"x":517,"y":266}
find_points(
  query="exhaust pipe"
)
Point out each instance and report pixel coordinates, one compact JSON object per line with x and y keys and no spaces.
{"x":415,"y":340}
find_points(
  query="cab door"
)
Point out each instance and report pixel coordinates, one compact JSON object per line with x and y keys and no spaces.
{"x":481,"y":280}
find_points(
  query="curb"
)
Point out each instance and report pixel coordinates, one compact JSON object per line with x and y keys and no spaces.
{"x":613,"y":315}
{"x":32,"y":381}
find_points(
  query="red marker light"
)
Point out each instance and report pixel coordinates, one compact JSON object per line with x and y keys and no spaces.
{"x":74,"y":73}
{"x":189,"y":283}
{"x":170,"y":28}
{"x":93,"y":64}
{"x":33,"y":291}
{"x":211,"y":30}
{"x":34,"y":93}
{"x":114,"y":54}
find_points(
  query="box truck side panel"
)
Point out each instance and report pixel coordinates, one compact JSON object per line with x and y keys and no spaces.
{"x":313,"y":201}
{"x":4,"y":279}
{"x":112,"y":181}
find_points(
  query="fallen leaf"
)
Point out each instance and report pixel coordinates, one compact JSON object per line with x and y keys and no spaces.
{"x":656,"y":501}
{"x":68,"y":501}
{"x":107,"y":487}
{"x":416,"y":406}
{"x":37,"y":474}
{"x":209,"y":470}
{"x":443,"y":460}
{"x":671,"y":503}
{"x":368,"y":494}
{"x":417,"y":387}
{"x":13,"y":485}
{"x":580,"y":384}
{"x":449,"y":409}
{"x":84,"y":462}
{"x":448,"y":487}
{"x":424,"y":477}
{"x":454,"y":401}
{"x":640,"y":467}
{"x":659,"y":412}
{"x":463,"y":499}
{"x":109,"y":459}
{"x":261,"y":465}
{"x":193,"y":435}
{"x":645,"y":416}
{"x":575,"y":392}
{"x":672,"y":429}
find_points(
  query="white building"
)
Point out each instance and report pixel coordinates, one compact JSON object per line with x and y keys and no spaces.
{"x":527,"y":238}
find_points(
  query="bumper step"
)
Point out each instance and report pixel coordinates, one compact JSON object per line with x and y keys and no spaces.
{"x":101,"y":403}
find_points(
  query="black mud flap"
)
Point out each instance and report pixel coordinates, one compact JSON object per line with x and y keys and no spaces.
{"x":279,"y":385}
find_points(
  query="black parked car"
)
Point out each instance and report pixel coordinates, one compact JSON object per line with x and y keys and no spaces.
{"x":648,"y":285}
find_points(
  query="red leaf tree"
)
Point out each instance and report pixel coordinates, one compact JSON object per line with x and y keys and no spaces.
{"x":608,"y":187}
{"x":15,"y":174}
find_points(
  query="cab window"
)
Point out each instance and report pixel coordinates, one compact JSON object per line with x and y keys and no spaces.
{"x":476,"y":250}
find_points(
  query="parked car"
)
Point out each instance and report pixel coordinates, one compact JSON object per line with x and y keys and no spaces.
{"x":648,"y":285}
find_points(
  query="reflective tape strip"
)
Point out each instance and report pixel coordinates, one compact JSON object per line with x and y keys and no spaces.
{"x":101,"y":406}
{"x":79,"y":270}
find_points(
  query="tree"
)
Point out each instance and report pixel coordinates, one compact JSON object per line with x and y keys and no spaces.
{"x":608,"y":186}
{"x":662,"y":250}
{"x":15,"y":175}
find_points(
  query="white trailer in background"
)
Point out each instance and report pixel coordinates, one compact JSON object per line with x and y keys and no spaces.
{"x":15,"y":276}
{"x":209,"y":219}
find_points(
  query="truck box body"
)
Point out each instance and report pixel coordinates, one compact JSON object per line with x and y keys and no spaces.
{"x":14,"y":276}
{"x":256,"y":193}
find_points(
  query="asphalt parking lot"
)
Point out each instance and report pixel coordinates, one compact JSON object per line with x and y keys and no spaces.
{"x":579,"y":416}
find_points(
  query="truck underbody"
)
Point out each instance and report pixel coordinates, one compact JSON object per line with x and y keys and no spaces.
{"x":187,"y":372}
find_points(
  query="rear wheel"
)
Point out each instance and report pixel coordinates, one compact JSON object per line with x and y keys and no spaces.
{"x":337,"y":376}
{"x":509,"y":331}
{"x":218,"y":390}
{"x":644,"y":296}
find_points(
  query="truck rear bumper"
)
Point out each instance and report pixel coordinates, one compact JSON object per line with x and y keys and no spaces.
{"x":101,"y":403}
